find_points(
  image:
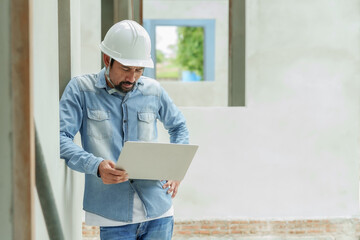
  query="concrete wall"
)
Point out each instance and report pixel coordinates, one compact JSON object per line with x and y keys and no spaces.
{"x":192,"y":93}
{"x":85,"y":22}
{"x":45,"y":75}
{"x":293,"y":152}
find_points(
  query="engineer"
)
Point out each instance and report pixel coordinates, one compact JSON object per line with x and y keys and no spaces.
{"x":111,"y":107}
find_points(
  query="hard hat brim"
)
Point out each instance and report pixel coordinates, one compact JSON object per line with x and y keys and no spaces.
{"x":135,"y":62}
{"x":127,"y":62}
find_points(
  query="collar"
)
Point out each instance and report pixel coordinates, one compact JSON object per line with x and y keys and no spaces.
{"x":101,"y":83}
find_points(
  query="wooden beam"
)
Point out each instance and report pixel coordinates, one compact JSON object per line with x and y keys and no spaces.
{"x":138,"y":11}
{"x":23,"y":123}
{"x":107,"y":19}
{"x":122,"y":10}
{"x":128,"y":9}
{"x":237,"y":57}
{"x":64,"y":36}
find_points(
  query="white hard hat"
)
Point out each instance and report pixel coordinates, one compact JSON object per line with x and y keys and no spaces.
{"x":128,"y":43}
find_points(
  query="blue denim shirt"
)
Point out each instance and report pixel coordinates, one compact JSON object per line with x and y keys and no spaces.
{"x":106,"y":119}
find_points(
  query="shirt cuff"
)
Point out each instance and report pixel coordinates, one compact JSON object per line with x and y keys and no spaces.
{"x":94,"y":165}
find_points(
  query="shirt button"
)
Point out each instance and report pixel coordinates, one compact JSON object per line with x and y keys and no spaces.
{"x":131,"y":181}
{"x":125,"y":121}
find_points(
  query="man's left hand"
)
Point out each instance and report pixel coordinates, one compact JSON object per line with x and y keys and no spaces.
{"x":173,"y":187}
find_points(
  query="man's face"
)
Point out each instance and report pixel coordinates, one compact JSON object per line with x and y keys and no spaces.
{"x":124,"y":77}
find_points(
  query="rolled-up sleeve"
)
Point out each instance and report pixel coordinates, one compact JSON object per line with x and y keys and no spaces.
{"x":173,"y":120}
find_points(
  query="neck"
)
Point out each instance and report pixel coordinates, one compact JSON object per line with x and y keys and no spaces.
{"x":108,"y":83}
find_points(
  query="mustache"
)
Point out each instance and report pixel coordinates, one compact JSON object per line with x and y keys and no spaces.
{"x":121,"y":89}
{"x":127,"y":82}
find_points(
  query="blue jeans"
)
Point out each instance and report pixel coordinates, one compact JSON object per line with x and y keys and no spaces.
{"x":157,"y":229}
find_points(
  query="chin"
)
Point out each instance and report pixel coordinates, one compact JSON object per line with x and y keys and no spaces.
{"x":124,"y":90}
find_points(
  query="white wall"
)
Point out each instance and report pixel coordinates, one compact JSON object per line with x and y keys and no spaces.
{"x":191,"y":93}
{"x":86,"y":37}
{"x":85,"y":23}
{"x":294,"y":150}
{"x":46,"y":97}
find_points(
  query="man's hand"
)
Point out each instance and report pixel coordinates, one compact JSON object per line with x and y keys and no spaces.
{"x":173,"y":187}
{"x":110,"y":175}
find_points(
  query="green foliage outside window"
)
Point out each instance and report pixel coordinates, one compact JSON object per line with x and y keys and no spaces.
{"x":190,"y":53}
{"x":160,"y":57}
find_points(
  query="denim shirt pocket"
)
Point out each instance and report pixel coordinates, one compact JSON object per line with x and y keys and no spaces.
{"x":98,"y":124}
{"x":146,"y":126}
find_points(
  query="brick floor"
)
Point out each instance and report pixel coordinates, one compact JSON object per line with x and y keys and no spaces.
{"x":275,"y":229}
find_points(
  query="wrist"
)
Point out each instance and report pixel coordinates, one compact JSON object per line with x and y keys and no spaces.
{"x":98,"y":170}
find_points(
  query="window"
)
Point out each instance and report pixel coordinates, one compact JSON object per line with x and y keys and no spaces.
{"x":182,"y":50}
{"x":213,"y":17}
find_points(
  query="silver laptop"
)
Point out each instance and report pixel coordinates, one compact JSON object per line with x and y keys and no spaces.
{"x":156,"y":161}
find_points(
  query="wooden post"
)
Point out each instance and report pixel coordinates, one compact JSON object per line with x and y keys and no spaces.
{"x":128,"y":9}
{"x":237,"y":57}
{"x":22,"y":120}
{"x":64,"y":44}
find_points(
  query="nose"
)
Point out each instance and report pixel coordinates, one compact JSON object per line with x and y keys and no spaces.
{"x":130,"y":76}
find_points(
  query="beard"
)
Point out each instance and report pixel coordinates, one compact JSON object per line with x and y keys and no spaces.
{"x":120,"y":87}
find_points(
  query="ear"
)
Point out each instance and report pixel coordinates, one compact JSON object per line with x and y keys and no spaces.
{"x":106,"y":60}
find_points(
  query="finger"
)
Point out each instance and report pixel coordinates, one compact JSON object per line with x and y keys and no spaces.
{"x":116,"y":172}
{"x":108,"y":166}
{"x":114,"y":178}
{"x":111,"y":164}
{"x":110,"y":169}
{"x":174,"y":193}
{"x":109,"y":174}
{"x":119,"y":178}
{"x":172,"y":188}
{"x":111,"y":179}
{"x":167,"y":184}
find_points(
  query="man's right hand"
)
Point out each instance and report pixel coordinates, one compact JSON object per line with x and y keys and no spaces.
{"x":110,"y":175}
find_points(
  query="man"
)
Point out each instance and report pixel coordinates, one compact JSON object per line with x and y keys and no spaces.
{"x":116,"y":105}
